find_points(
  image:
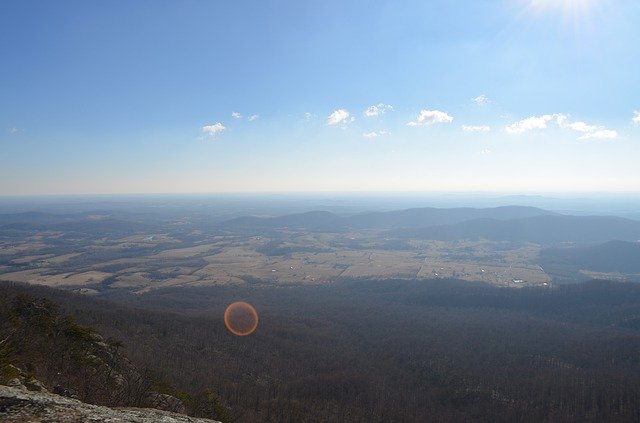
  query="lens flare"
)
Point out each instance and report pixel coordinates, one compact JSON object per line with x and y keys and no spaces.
{"x":240,"y":318}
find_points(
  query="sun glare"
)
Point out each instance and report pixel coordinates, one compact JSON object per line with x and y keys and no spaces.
{"x":575,"y":14}
{"x":566,"y":5}
{"x":568,"y":8}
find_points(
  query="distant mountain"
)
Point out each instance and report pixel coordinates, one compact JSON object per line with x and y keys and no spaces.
{"x":314,"y":220}
{"x":411,"y":218}
{"x":545,"y":229}
{"x":95,"y":223}
{"x":429,"y":216}
{"x":31,"y":218}
{"x":612,"y":256}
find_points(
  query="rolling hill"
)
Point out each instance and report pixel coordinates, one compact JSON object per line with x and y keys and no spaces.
{"x":410,"y":218}
{"x":544,"y":230}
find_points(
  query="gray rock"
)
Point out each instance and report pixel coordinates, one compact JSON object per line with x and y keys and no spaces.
{"x":34,"y":385}
{"x":19,"y":405}
{"x":165,"y":402}
{"x":22,"y":381}
{"x":16,"y":383}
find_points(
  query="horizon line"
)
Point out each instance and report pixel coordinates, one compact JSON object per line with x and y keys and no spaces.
{"x":327,"y":192}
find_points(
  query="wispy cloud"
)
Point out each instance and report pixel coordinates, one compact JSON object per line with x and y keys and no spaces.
{"x":535,"y":122}
{"x":607,"y":134}
{"x":591,"y":131}
{"x":340,"y":116}
{"x":582,"y":127}
{"x":377,"y":110}
{"x":429,"y":117}
{"x":374,"y":134}
{"x":253,"y":117}
{"x":12,"y":130}
{"x":562,"y":121}
{"x":636,"y":117}
{"x":476,"y":128}
{"x":213,"y":130}
{"x":481,"y":100}
{"x":236,"y":115}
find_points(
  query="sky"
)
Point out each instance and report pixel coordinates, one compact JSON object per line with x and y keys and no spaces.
{"x":518,"y":96}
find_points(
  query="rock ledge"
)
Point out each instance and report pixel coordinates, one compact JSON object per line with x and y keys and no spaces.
{"x":20,"y":405}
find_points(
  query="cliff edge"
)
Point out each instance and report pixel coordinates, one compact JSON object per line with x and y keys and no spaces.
{"x":21,"y":405}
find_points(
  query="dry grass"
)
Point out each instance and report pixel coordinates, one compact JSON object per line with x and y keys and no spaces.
{"x":40,"y":277}
{"x":233,"y":260}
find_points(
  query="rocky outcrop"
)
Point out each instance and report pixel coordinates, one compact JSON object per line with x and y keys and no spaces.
{"x":23,"y":381}
{"x":164,"y":402}
{"x":38,"y":340}
{"x":21,"y":405}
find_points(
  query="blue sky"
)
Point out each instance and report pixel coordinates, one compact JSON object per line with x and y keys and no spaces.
{"x":272,"y":96}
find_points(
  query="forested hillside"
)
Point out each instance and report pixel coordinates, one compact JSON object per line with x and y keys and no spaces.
{"x":388,"y":351}
{"x":43,"y":349}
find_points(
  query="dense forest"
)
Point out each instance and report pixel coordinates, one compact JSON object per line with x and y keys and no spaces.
{"x":384,"y":350}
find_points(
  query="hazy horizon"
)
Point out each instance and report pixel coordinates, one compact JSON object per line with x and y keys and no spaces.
{"x":342,"y":203}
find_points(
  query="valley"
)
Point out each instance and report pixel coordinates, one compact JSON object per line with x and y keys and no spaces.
{"x":94,"y":252}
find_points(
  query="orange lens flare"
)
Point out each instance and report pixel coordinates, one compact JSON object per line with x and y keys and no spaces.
{"x":241,"y":318}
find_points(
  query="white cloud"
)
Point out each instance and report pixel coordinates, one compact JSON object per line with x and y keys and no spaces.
{"x":592,"y":131}
{"x":253,"y":117}
{"x":582,"y":127}
{"x":476,"y":128}
{"x":377,"y":110}
{"x":481,"y":100}
{"x":12,"y":130}
{"x":485,"y":151}
{"x":561,"y":119}
{"x":541,"y":122}
{"x":339,"y":116}
{"x":214,"y":129}
{"x":308,"y":116}
{"x":374,"y":134}
{"x":236,"y":115}
{"x":636,"y":117}
{"x":606,"y":134}
{"x":429,"y":117}
{"x":535,"y":122}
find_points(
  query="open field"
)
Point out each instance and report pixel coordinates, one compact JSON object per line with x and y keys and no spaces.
{"x":144,"y":261}
{"x":40,"y":277}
